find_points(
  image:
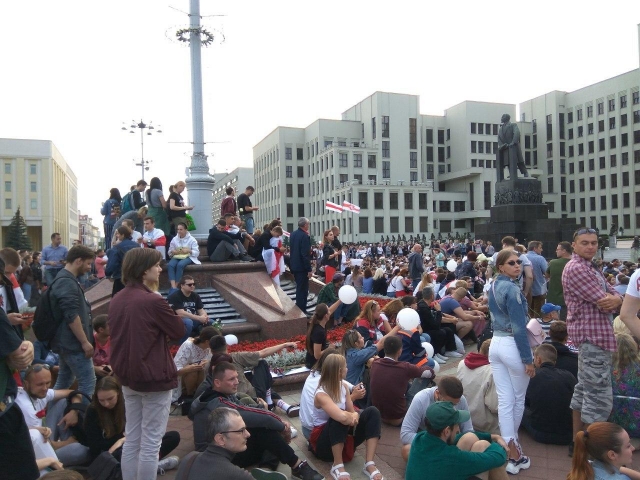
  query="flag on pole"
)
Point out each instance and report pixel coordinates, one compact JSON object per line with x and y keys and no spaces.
{"x":286,"y":234}
{"x":351,"y":207}
{"x":334,"y":207}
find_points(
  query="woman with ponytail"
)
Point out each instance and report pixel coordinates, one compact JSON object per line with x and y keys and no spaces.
{"x":190,"y":360}
{"x":317,"y":334}
{"x":601,"y":452}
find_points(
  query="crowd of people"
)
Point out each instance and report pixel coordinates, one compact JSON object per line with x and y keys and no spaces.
{"x":551,"y":359}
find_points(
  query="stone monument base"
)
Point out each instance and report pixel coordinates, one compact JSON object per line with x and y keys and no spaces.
{"x":520,"y":213}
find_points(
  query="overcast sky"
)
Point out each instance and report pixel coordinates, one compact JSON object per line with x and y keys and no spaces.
{"x":73,"y":71}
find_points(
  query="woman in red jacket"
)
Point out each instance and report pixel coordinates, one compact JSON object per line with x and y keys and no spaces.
{"x":141,"y":323}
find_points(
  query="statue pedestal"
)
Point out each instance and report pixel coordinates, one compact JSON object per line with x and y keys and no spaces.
{"x":519,"y":212}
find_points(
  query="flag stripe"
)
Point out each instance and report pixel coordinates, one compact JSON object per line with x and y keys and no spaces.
{"x":351,"y":207}
{"x":334,"y":207}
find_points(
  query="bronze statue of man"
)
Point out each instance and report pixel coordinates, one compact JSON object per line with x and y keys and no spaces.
{"x":509,"y":154}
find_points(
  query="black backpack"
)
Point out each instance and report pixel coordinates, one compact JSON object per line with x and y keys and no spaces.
{"x":45,"y":325}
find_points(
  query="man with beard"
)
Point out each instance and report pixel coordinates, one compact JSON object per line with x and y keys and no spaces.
{"x":447,"y":455}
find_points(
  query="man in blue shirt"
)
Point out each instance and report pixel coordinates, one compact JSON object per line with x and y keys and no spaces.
{"x":53,"y":258}
{"x":539,"y":286}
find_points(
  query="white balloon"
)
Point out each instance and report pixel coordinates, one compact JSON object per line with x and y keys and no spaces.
{"x":408,"y":319}
{"x":231,"y":339}
{"x":451,"y":265}
{"x":436,"y":368}
{"x":347,"y":294}
{"x":429,"y":348}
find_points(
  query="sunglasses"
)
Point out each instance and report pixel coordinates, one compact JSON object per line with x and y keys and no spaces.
{"x":513,"y":262}
{"x":242,"y":430}
{"x":36,"y":368}
{"x":582,"y":231}
{"x":190,"y":284}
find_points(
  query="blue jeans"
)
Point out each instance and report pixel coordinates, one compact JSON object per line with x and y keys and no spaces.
{"x":414,"y":284}
{"x":26,"y":290}
{"x":248,"y":222}
{"x":425,"y":337}
{"x":341,"y":311}
{"x":50,"y":275}
{"x":175,"y":268}
{"x":76,"y":366}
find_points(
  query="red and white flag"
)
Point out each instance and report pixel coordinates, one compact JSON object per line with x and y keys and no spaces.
{"x":286,"y":234}
{"x":334,"y":207}
{"x":351,"y":207}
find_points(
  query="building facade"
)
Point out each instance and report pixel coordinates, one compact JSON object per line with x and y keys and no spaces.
{"x":90,"y":235}
{"x":239,"y":179}
{"x":36,"y":178}
{"x":409,"y":173}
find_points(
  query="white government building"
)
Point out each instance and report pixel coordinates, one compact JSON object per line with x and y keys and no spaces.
{"x":411,"y":173}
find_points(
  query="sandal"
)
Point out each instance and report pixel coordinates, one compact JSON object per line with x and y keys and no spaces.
{"x":371,"y":474}
{"x":337,"y":474}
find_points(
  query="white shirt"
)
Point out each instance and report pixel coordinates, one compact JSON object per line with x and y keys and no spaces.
{"x":154,"y":235}
{"x":31,"y":406}
{"x":633,"y":288}
{"x":320,"y":417}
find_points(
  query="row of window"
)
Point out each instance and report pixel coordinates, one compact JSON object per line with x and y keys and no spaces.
{"x":626,"y":221}
{"x":484,"y":128}
{"x":8,"y":204}
{"x":483,"y":147}
{"x":602,"y":182}
{"x":8,"y":186}
{"x":611,"y":106}
{"x":33,"y":169}
{"x":602,"y":142}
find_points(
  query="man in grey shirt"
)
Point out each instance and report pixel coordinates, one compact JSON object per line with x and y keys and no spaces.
{"x":449,"y":389}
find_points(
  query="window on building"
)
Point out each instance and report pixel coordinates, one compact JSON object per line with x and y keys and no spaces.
{"x":582,"y":205}
{"x":358,"y":178}
{"x":572,"y":186}
{"x":625,"y":158}
{"x":591,"y":147}
{"x":444,"y":206}
{"x":413,"y":133}
{"x":424,"y":224}
{"x":408,"y":224}
{"x":612,"y":142}
{"x":289,"y":210}
{"x":626,"y":198}
{"x":602,"y":163}
{"x":440,"y":137}
{"x":300,"y":210}
{"x":300,"y":172}
{"x":394,"y":224}
{"x":600,"y":108}
{"x":581,"y":182}
{"x":459,"y":206}
{"x":487,"y":195}
{"x":386,"y":149}
{"x":474,"y":148}
{"x":343,"y":159}
{"x":299,"y":154}
{"x":612,"y":104}
{"x":386,"y":169}
{"x":422,"y":201}
{"x":363,"y":199}
{"x":379,"y":224}
{"x":592,"y":203}
{"x":357,"y":160}
{"x":442,"y":169}
{"x":378,"y":200}
{"x":550,"y":185}
{"x":289,"y":171}
{"x":590,"y":129}
{"x":363,"y":224}
{"x":413,"y":176}
{"x":614,"y":180}
{"x":579,"y":114}
{"x":413,"y":159}
{"x":408,"y":200}
{"x":592,"y":183}
{"x":289,"y":190}
{"x":288,"y":155}
{"x":480,"y":147}
{"x":572,"y":204}
{"x":624,"y":139}
{"x":34,"y":204}
{"x":300,"y":191}
{"x":7,"y":186}
{"x":429,"y":135}
{"x":603,"y":182}
{"x":445,"y":226}
{"x":373,"y":128}
{"x":34,"y":187}
{"x":393,"y":200}
{"x":7,"y":204}
{"x":601,"y":126}
{"x":550,"y":167}
{"x":581,"y":166}
{"x":590,"y":111}
{"x":385,"y":127}
{"x":473,"y":127}
{"x":625,"y":179}
{"x":636,"y":116}
{"x":7,"y":169}
{"x":563,"y":185}
{"x":371,"y":159}
{"x":571,"y":151}
{"x":344,"y":178}
{"x":441,"y":158}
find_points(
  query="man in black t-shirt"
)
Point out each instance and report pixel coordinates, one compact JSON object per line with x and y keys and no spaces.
{"x":246,"y":209}
{"x":188,"y":305}
{"x":137,"y":201}
{"x":17,"y":458}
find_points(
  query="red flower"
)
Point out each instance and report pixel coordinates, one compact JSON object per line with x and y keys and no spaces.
{"x":41,"y":414}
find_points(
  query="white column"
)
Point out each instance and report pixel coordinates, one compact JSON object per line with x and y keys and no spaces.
{"x":199,"y":181}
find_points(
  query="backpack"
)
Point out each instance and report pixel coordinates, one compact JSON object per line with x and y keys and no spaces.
{"x":45,"y":325}
{"x":127,"y":203}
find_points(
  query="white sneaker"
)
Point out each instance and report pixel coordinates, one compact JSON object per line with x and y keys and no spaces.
{"x":294,"y":432}
{"x":439,"y":359}
{"x":167,"y":463}
{"x":453,"y":354}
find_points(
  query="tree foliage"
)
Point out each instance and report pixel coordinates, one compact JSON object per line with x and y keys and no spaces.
{"x":17,"y":233}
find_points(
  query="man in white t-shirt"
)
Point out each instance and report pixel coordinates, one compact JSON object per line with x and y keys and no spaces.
{"x":154,"y":237}
{"x":33,"y":400}
{"x":631,"y":305}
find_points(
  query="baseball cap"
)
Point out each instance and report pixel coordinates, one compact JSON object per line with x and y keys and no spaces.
{"x":550,"y":307}
{"x":337,"y":277}
{"x":443,"y":414}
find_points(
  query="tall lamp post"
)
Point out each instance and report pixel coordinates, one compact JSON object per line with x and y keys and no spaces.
{"x":144,"y":164}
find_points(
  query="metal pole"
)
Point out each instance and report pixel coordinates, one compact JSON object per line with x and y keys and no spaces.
{"x":141,"y":125}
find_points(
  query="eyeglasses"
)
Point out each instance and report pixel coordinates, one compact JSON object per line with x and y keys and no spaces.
{"x":36,"y":368}
{"x":242,"y":430}
{"x":190,"y":284}
{"x":513,"y":262}
{"x":582,"y":231}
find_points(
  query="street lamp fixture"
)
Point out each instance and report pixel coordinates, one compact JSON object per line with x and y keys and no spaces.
{"x":143,"y":164}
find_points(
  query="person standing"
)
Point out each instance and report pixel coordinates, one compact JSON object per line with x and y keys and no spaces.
{"x":229,"y":204}
{"x":300,"y":261}
{"x":141,"y":322}
{"x":591,"y":302}
{"x":111,"y":211}
{"x":246,"y":209}
{"x":116,"y":257}
{"x":329,"y":256}
{"x":157,"y":205}
{"x":539,"y":286}
{"x":177,"y":208}
{"x":137,"y":202}
{"x":510,"y":354}
{"x":554,"y":273}
{"x":74,"y":338}
{"x":634,"y":255}
{"x":416,"y":265}
{"x":53,"y":257}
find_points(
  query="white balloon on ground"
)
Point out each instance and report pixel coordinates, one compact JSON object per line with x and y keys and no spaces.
{"x":429,"y":348}
{"x":408,"y":319}
{"x":347,"y":294}
{"x":451,"y":265}
{"x":436,"y":368}
{"x":231,"y":339}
